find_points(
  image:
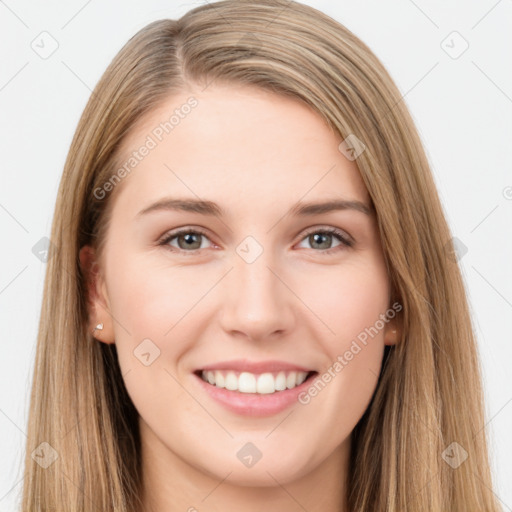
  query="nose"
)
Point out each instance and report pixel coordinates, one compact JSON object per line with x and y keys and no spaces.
{"x":258,"y":303}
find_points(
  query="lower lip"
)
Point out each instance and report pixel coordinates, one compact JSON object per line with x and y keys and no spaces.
{"x":255,"y":404}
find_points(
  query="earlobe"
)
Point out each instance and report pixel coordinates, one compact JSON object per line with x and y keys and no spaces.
{"x":392,"y":339}
{"x":392,"y":333}
{"x":100,"y":323}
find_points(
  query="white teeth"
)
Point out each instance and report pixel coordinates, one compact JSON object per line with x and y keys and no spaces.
{"x":290,"y":380}
{"x":247,"y":382}
{"x":219,"y":380}
{"x":231,"y":381}
{"x":265,"y":383}
{"x":301,"y":377}
{"x":280,"y":383}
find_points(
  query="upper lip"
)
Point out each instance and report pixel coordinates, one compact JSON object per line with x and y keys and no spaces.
{"x":244,"y":365}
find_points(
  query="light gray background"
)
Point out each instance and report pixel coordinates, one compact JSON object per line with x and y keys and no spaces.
{"x":462,"y":107}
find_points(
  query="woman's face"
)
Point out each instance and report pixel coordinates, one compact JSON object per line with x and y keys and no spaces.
{"x":256,"y":289}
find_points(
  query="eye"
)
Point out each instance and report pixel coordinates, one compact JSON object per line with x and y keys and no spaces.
{"x":190,"y":240}
{"x":187,"y":239}
{"x":322,"y":239}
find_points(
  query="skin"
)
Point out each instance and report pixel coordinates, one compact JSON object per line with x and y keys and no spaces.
{"x":255,"y":154}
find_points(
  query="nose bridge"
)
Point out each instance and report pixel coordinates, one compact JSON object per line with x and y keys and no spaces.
{"x":256,"y":302}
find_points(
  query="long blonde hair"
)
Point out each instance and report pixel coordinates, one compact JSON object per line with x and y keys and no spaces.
{"x":429,"y":393}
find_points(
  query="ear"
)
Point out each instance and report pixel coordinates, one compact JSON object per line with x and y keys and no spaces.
{"x":97,"y":298}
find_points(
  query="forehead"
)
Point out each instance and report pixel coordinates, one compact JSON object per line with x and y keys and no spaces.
{"x":238,"y":145}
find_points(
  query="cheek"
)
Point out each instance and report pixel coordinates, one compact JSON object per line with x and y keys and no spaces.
{"x":150,"y":306}
{"x":347,"y":299}
{"x":151,"y":299}
{"x":352,"y":308}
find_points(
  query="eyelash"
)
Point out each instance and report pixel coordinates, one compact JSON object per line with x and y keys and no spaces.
{"x":339,"y":235}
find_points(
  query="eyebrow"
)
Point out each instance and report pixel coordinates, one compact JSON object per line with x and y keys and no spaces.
{"x":211,"y":208}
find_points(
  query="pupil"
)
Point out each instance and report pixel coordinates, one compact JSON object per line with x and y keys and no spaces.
{"x":318,"y":236}
{"x":190,"y":239}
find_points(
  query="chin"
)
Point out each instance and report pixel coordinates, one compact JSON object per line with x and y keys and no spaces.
{"x":268,"y":471}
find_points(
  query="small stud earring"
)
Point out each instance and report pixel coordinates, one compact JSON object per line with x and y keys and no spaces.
{"x":99,"y":327}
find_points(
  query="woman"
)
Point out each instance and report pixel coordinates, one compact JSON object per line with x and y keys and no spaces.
{"x":197,"y":349}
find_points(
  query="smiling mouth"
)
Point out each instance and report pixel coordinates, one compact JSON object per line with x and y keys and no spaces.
{"x":262,"y":383}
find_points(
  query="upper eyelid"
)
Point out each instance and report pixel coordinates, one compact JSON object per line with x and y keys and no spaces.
{"x":330,"y":229}
{"x":169,"y":235}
